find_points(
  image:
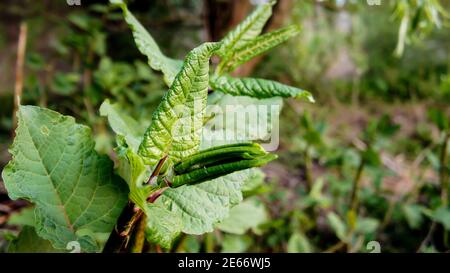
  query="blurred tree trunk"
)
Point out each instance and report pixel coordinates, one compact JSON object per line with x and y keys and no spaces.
{"x":222,"y":16}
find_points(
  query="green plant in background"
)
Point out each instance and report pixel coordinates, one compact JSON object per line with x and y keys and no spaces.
{"x":312,"y":142}
{"x":439,"y":212}
{"x":172,"y":174}
{"x":417,"y":19}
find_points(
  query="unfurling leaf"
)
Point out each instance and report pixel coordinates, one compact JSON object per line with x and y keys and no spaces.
{"x":177,"y":122}
{"x":55,"y":166}
{"x":246,"y":31}
{"x":257,"y":88}
{"x":147,"y":46}
{"x":258,"y":46}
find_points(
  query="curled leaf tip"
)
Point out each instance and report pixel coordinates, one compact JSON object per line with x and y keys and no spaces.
{"x":306,"y":95}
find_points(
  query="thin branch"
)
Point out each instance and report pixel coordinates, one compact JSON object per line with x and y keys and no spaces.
{"x":356,"y":185}
{"x":139,"y":238}
{"x":18,"y":87}
{"x":157,"y":170}
{"x":443,"y":171}
{"x":428,"y":237}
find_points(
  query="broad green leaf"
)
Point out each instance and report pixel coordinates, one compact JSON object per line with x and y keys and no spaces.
{"x":65,"y":84}
{"x":131,"y":167}
{"x":253,"y":183}
{"x":259,"y":45}
{"x":442,"y":215}
{"x":261,"y":118}
{"x":439,"y":118}
{"x":413,"y":215}
{"x":177,"y":122}
{"x":257,"y":88}
{"x":147,"y":46}
{"x":201,"y":206}
{"x":299,"y":243}
{"x":29,"y":242}
{"x":246,"y":31}
{"x":236,"y":243}
{"x":367,"y":225}
{"x":55,"y":166}
{"x":25,"y":217}
{"x":337,"y":225}
{"x":163,"y":226}
{"x":244,"y":216}
{"x":122,"y":124}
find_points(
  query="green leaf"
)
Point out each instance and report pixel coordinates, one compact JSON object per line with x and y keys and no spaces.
{"x":65,"y":83}
{"x":55,"y":166}
{"x":235,"y":243}
{"x":163,"y":226}
{"x":29,"y":242}
{"x":413,"y":215}
{"x":177,"y":122}
{"x":439,"y":118}
{"x":299,"y":243}
{"x":244,"y":216}
{"x":257,"y":88}
{"x":337,"y":225}
{"x":200,"y":206}
{"x":371,"y":156}
{"x":132,"y":169}
{"x":259,"y":45}
{"x":25,"y":217}
{"x":148,"y":47}
{"x":252,"y":184}
{"x":122,"y":124}
{"x":259,"y":115}
{"x":246,"y":31}
{"x":367,"y":225}
{"x":442,"y":215}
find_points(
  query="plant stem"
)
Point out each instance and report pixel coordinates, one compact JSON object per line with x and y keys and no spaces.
{"x":18,"y":87}
{"x":116,"y":242}
{"x":388,"y":216}
{"x":428,"y":237}
{"x":356,"y":186}
{"x":443,"y":171}
{"x":139,"y":235}
{"x":443,"y":176}
{"x":179,"y":243}
{"x":308,"y":169}
{"x":209,"y":243}
{"x":336,"y":247}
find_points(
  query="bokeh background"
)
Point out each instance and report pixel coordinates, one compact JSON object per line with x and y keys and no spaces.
{"x":379,"y":73}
